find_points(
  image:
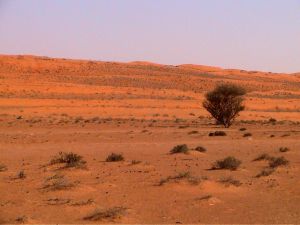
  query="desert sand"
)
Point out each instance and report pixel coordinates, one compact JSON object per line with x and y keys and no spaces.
{"x":142,"y":110}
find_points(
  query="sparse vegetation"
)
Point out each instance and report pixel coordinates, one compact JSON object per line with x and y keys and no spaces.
{"x":57,"y":182}
{"x":230,"y":181}
{"x":284,"y":149}
{"x":107,"y":214}
{"x":224,"y":103}
{"x":205,"y":197}
{"x":263,"y":156}
{"x":243,"y":129}
{"x":70,"y":159}
{"x":83,"y":202}
{"x":230,"y":163}
{"x":2,"y":168}
{"x":247,"y":135}
{"x":180,"y":149}
{"x":134,"y":162}
{"x":180,"y":176}
{"x":200,"y":149}
{"x":114,"y":157}
{"x":21,"y":175}
{"x":22,"y":219}
{"x":274,"y":162}
{"x":58,"y":201}
{"x":279,"y":161}
{"x":217,"y":133}
{"x":265,"y":172}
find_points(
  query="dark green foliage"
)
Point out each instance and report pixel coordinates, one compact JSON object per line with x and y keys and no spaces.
{"x":224,"y":103}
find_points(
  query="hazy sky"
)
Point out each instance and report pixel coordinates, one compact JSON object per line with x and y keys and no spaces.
{"x":246,"y":34}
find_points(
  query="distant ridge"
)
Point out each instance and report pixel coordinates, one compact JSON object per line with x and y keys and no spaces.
{"x":203,"y":68}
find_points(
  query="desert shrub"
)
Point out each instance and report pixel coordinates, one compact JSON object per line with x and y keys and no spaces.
{"x":230,"y":181}
{"x":279,"y":161}
{"x":230,"y":163}
{"x":193,"y":132}
{"x":176,"y":177}
{"x":58,"y":182}
{"x":263,"y":156}
{"x":69,"y":158}
{"x":22,"y":219}
{"x":200,"y":149}
{"x":217,"y":133}
{"x":272,"y":120}
{"x":114,"y":157}
{"x":107,"y":214}
{"x":21,"y":175}
{"x":247,"y":135}
{"x":58,"y":201}
{"x":2,"y":168}
{"x":265,"y":172}
{"x":83,"y":202}
{"x":179,"y":149}
{"x":205,"y":197}
{"x":243,"y":129}
{"x":284,"y":149}
{"x":224,"y":103}
{"x":180,"y":176}
{"x":134,"y":162}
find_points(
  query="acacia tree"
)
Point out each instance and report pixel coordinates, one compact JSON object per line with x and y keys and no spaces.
{"x":224,"y":103}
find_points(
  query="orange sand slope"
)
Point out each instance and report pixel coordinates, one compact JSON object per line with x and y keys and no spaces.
{"x":137,"y":88}
{"x":142,"y":110}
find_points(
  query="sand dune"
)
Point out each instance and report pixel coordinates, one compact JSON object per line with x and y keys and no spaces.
{"x":142,"y":110}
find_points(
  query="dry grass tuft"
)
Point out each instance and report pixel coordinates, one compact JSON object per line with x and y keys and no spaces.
{"x":2,"y":168}
{"x":217,"y":133}
{"x":58,"y":182}
{"x":229,"y":163}
{"x":179,"y":149}
{"x":284,"y":149}
{"x":279,"y":161}
{"x":21,"y":175}
{"x":114,"y":157}
{"x":107,"y":214}
{"x":70,"y":159}
{"x":200,"y":149}
{"x":263,"y":156}
{"x":230,"y":181}
{"x":265,"y":172}
{"x":180,"y":176}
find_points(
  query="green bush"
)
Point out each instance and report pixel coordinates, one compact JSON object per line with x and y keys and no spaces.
{"x":224,"y":103}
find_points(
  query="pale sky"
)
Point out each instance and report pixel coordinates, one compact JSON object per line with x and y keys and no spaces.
{"x":245,"y":34}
